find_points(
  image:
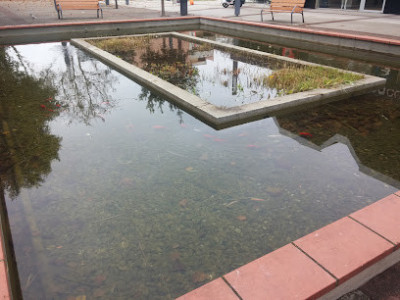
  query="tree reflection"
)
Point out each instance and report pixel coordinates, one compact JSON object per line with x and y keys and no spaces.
{"x":78,"y":87}
{"x":167,"y":58}
{"x":84,"y":86}
{"x":25,"y":138}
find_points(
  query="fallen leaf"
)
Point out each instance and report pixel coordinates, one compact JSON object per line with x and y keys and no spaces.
{"x":274,"y":191}
{"x":99,"y":292}
{"x":199,"y":277}
{"x":183,"y":203}
{"x":256,"y":199}
{"x":158,"y":127}
{"x":99,"y":279}
{"x":251,"y":146}
{"x":305,"y":134}
{"x":189,"y":169}
{"x":175,"y":255}
{"x":241,"y":218}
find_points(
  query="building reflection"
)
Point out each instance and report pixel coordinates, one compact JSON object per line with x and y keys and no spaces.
{"x":368,"y":125}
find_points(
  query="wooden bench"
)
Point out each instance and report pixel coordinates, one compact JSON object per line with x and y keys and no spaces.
{"x":285,"y":6}
{"x":62,"y":5}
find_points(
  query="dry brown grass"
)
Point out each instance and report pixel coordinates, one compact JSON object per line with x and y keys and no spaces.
{"x":296,"y":79}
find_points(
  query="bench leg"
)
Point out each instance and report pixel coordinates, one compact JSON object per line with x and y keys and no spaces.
{"x":291,"y":18}
{"x":302,"y":16}
{"x":261,"y":16}
{"x":272,"y":14}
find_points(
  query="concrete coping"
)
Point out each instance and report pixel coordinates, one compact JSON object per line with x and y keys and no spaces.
{"x":221,"y":117}
{"x":324,"y":264}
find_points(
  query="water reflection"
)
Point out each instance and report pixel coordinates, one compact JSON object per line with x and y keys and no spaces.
{"x":217,"y":75}
{"x":139,"y":206}
{"x":27,"y":146}
{"x":367,"y":125}
{"x":389,"y":72}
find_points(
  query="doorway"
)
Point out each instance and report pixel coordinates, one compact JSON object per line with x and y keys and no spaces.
{"x":372,"y":5}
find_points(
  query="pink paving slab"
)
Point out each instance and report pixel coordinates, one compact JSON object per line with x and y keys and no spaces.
{"x":286,"y":273}
{"x":345,"y":247}
{"x":382,"y":217}
{"x":4,"y":292}
{"x":214,"y":290}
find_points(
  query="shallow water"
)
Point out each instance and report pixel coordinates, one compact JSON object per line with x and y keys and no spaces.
{"x":112,"y":192}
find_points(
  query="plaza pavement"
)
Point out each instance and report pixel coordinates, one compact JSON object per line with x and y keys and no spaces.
{"x":346,"y":21}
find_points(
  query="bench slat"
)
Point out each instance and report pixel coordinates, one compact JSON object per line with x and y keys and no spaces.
{"x":76,"y":1}
{"x":298,"y":2}
{"x":285,"y":6}
{"x":286,"y":9}
{"x":62,"y":5}
{"x":77,"y":6}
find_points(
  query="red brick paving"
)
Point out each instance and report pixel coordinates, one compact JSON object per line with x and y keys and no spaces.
{"x":215,"y":290}
{"x":345,"y":248}
{"x":286,"y":273}
{"x":382,"y":217}
{"x":4,"y":289}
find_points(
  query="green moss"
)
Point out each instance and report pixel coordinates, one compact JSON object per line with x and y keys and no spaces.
{"x":292,"y":79}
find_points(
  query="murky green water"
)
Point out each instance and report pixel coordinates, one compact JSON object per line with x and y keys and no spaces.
{"x":114,"y":193}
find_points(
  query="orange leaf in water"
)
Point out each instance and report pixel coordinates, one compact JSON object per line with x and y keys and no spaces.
{"x":189,"y":169}
{"x":199,"y":277}
{"x":99,"y":279}
{"x":183,"y":203}
{"x":256,"y":199}
{"x":241,"y":218}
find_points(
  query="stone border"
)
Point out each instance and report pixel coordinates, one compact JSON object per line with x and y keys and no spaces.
{"x":373,"y":49}
{"x":222,"y":117}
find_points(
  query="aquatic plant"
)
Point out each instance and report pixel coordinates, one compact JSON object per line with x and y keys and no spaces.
{"x":294,"y":79}
{"x":122,"y":45}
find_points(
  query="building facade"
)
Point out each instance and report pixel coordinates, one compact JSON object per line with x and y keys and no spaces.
{"x":378,"y":6}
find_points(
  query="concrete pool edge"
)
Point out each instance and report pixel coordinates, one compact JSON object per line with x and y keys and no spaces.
{"x":221,"y":117}
{"x":324,"y":264}
{"x":348,"y":45}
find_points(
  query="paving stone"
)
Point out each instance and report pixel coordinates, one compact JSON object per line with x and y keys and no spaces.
{"x":382,"y":217}
{"x":215,"y":290}
{"x":345,"y":247}
{"x":4,"y":292}
{"x":286,"y":273}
